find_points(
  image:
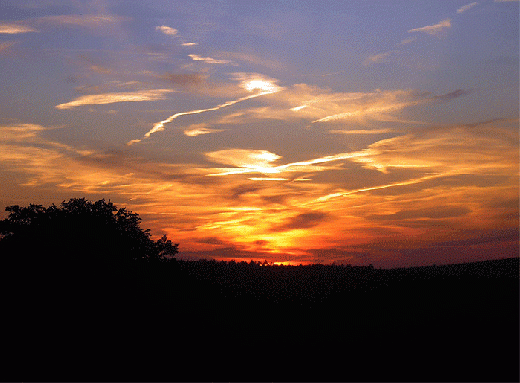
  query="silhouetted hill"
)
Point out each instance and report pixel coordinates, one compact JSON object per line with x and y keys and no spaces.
{"x":208,"y":320}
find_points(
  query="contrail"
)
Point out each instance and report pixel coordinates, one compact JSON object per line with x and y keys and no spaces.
{"x":157,"y":127}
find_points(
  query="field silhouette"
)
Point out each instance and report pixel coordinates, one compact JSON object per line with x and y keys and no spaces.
{"x":80,"y":309}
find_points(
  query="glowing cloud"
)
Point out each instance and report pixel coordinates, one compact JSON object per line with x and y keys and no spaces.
{"x":362,"y":131}
{"x":254,"y":160}
{"x":466,"y":7}
{"x":109,"y":98}
{"x":21,"y":132}
{"x":12,"y":29}
{"x":255,"y":81}
{"x":267,"y":179}
{"x":159,"y":126}
{"x":433,"y":29}
{"x":265,"y":86}
{"x":448,"y":150}
{"x":366,"y":111}
{"x":199,"y":129}
{"x":321,"y":105}
{"x":166,"y":30}
{"x":258,"y":161}
{"x":208,"y":60}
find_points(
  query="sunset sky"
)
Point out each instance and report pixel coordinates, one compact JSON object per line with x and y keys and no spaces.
{"x":381,"y":132}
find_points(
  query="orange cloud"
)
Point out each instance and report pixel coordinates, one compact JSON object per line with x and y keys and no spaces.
{"x":406,"y":192}
{"x":208,"y":60}
{"x":466,"y":7}
{"x":433,"y":29}
{"x":109,"y":98}
{"x":12,"y":29}
{"x":254,"y":160}
{"x":167,"y":30}
{"x":362,"y":131}
{"x":199,"y":129}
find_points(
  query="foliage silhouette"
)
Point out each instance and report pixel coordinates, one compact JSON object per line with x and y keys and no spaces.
{"x":78,"y":232}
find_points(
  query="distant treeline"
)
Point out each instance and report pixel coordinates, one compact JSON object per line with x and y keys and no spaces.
{"x":316,"y":282}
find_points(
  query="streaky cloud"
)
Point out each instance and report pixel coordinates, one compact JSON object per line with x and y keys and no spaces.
{"x":12,"y":29}
{"x":267,"y":87}
{"x":208,"y":60}
{"x":268,"y":179}
{"x":86,"y":21}
{"x":433,"y":29}
{"x":244,"y":158}
{"x":259,"y":161}
{"x":109,"y":98}
{"x":362,"y":131}
{"x":466,"y":7}
{"x":200,"y":129}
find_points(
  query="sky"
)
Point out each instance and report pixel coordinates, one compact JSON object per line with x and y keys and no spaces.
{"x":359,"y":132}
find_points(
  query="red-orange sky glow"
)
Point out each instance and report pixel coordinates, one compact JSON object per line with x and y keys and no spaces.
{"x":361,"y":132}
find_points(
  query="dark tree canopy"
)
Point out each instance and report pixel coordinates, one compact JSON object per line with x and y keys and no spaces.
{"x":79,"y":231}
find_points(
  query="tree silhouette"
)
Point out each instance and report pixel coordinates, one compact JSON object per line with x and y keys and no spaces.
{"x":78,"y":232}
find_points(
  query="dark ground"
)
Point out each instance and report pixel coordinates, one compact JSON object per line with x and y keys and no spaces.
{"x":212,"y":321}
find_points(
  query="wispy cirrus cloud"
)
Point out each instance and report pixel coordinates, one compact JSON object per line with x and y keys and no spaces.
{"x":446,"y":150}
{"x":208,"y":60}
{"x":466,"y":7}
{"x":434,"y":213}
{"x":250,"y":82}
{"x":254,"y":160}
{"x":434,"y":29}
{"x":362,"y":131}
{"x":109,"y":98}
{"x":261,"y":161}
{"x":12,"y":29}
{"x":86,"y":21}
{"x":200,"y":129}
{"x":21,"y":132}
{"x":322,"y":105}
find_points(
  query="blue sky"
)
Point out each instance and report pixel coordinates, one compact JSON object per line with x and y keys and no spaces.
{"x":363,"y":131}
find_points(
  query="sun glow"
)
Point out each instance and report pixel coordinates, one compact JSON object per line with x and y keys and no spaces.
{"x":263,"y":85}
